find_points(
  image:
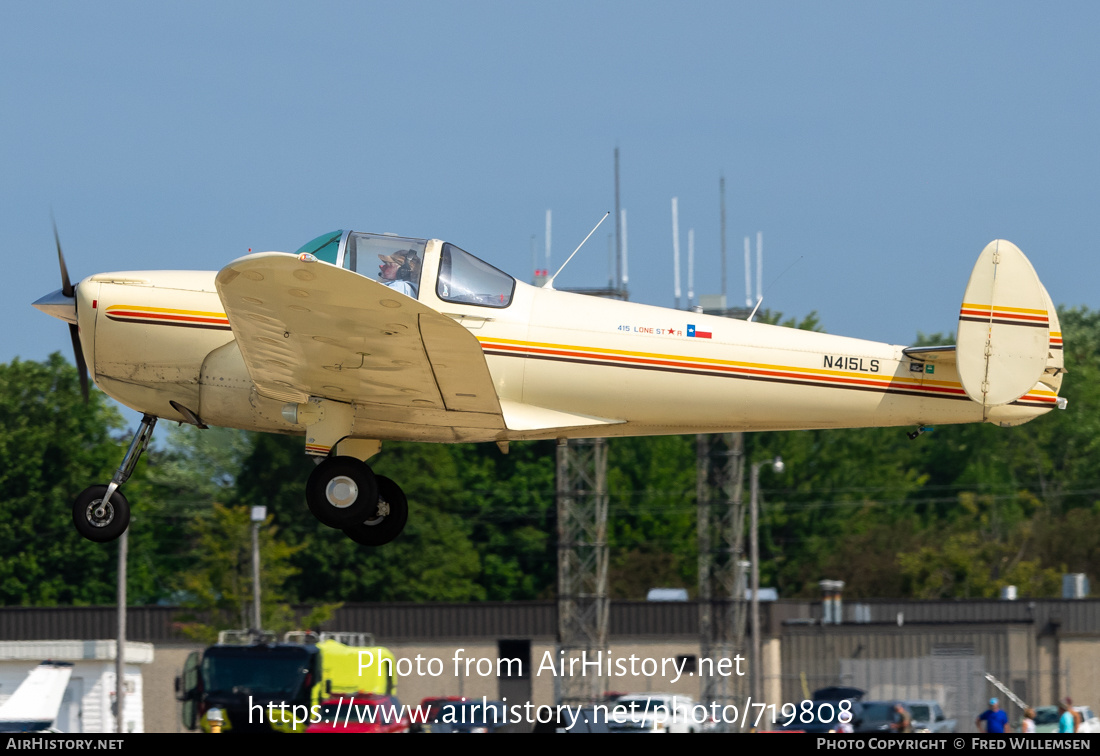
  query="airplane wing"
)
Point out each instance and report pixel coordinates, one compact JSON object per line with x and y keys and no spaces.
{"x":312,"y":329}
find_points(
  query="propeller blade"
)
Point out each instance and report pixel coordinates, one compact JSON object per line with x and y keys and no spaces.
{"x":66,"y":285}
{"x":69,"y":291}
{"x":81,"y":366}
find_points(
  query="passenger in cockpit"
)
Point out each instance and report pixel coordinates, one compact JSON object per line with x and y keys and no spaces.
{"x":400,"y":271}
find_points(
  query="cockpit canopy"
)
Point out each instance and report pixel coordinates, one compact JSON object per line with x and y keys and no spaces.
{"x":462,"y":278}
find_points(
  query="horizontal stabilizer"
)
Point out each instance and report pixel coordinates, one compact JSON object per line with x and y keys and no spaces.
{"x":1004,"y":327}
{"x":938,"y":354}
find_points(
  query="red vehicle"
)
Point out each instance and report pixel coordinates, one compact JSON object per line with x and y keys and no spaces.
{"x":360,"y":713}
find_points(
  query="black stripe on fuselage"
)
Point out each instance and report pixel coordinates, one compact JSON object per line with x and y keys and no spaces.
{"x":765,"y":378}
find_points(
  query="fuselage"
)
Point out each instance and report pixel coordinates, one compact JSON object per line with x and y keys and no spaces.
{"x":159,"y":341}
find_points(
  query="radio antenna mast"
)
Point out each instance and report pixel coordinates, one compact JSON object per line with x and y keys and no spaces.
{"x":676,"y":250}
{"x":748,"y":274}
{"x":550,"y":281}
{"x":626,"y":276}
{"x":691,"y":266}
{"x":722,"y":195}
{"x":548,"y":239}
{"x":618,"y":230}
{"x":759,"y":267}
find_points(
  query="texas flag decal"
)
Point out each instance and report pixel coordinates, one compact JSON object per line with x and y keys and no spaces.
{"x":697,"y":334}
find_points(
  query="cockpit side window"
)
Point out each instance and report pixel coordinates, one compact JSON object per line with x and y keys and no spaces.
{"x":465,"y":279}
{"x":400,"y":260}
{"x":325,"y":247}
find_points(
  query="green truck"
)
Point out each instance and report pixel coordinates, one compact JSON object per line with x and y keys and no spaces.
{"x":256,"y":683}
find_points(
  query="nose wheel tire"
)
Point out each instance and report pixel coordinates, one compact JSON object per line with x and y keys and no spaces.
{"x":389,"y":519}
{"x":98,"y":521}
{"x":342,"y":491}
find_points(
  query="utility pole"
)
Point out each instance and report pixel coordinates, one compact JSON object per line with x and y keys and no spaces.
{"x":120,"y":648}
{"x":754,"y":527}
{"x":259,"y":514}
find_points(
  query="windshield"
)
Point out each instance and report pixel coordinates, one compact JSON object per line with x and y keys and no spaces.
{"x":271,"y":672}
{"x":325,"y":247}
{"x":1046,"y":715}
{"x":878,"y":712}
{"x":396,"y":261}
{"x":920,"y":712}
{"x":467,"y":280}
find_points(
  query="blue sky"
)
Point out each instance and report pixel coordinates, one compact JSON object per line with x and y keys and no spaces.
{"x":878,"y":146}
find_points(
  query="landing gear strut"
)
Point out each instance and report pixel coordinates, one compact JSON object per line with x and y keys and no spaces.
{"x":101,"y":513}
{"x":344,"y":493}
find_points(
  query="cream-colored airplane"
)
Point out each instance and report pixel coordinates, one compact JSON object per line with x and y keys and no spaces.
{"x":446,"y":348}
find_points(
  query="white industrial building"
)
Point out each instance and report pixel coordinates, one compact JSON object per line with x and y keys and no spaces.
{"x":88,"y":702}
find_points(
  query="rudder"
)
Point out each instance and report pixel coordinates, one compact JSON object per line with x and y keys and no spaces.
{"x":1005,"y":333}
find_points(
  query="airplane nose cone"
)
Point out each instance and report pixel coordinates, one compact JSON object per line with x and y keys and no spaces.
{"x":57,"y":305}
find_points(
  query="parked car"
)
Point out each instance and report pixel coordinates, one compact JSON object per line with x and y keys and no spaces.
{"x":587,"y":719}
{"x":826,"y":717}
{"x":1089,"y":721}
{"x":430,"y":707}
{"x":876,"y":716}
{"x":839,"y":693}
{"x":656,"y":712}
{"x":1046,"y":719}
{"x":361,"y":713}
{"x":475,"y":716}
{"x":928,"y":716}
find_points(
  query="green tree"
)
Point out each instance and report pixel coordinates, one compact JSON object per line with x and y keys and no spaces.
{"x":219,"y":586}
{"x":651,"y":513}
{"x":507,"y":503}
{"x":976,"y":562}
{"x":51,"y":447}
{"x":432,"y":560}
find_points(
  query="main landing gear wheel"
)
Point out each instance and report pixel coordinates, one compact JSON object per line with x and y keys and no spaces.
{"x":98,"y":521}
{"x":388,"y":522}
{"x":341,"y":491}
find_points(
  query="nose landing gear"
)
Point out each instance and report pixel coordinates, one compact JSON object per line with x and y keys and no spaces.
{"x":101,"y":513}
{"x":99,"y":518}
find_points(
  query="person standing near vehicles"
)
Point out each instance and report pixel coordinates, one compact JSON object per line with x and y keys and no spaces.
{"x":902,"y":721}
{"x":1078,"y":717}
{"x":1066,"y":720}
{"x":995,"y":718}
{"x":1028,"y":722}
